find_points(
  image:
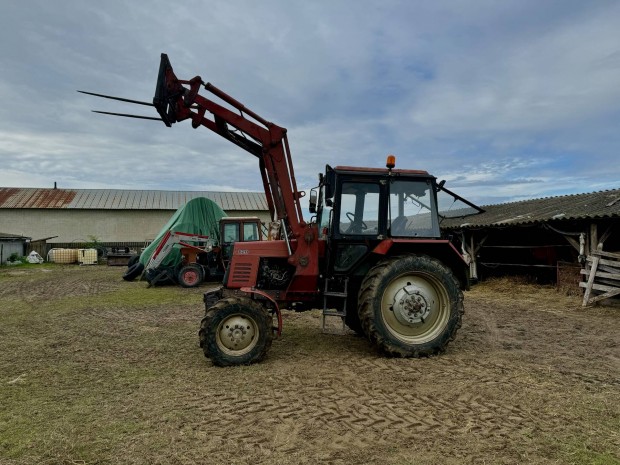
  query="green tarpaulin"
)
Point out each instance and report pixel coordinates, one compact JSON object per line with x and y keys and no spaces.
{"x":198,"y":216}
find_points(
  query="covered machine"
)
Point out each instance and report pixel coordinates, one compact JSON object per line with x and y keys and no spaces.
{"x":198,"y":221}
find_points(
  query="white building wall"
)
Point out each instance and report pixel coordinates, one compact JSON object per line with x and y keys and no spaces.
{"x":72,"y":225}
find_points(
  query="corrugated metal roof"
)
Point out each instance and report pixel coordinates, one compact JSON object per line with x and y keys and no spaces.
{"x":602,"y":204}
{"x":118,"y":199}
{"x":12,"y":236}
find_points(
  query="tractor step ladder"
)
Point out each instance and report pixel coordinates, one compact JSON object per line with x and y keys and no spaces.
{"x":340,"y":293}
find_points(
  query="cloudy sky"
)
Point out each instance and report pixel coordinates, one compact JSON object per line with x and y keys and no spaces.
{"x":506,"y":100}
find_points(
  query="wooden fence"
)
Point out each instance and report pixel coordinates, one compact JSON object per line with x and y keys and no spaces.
{"x":603,"y":277}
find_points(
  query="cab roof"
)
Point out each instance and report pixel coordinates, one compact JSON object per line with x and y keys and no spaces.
{"x":361,"y":169}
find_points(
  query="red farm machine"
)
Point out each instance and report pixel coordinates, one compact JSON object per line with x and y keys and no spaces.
{"x":199,"y":257}
{"x":373,"y":254}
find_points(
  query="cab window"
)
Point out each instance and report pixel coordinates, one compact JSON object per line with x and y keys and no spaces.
{"x":250,"y":232}
{"x":359,"y":208}
{"x":324,"y":214}
{"x":231,"y":232}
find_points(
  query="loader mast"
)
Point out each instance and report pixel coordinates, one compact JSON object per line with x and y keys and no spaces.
{"x":178,"y":100}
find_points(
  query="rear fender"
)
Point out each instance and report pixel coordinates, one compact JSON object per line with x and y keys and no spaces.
{"x":441,"y":249}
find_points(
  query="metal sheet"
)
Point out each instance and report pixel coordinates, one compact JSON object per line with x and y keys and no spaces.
{"x":118,"y":199}
{"x":602,"y":204}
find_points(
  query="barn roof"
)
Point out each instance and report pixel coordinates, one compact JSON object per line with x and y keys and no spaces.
{"x":601,"y":204}
{"x":118,"y":199}
{"x":7,"y":236}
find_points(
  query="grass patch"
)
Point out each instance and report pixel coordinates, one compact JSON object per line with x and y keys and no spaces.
{"x":77,"y":344}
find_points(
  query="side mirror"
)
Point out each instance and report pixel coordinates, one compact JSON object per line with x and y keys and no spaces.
{"x":312,"y":201}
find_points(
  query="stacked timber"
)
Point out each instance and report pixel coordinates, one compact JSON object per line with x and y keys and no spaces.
{"x":603,"y":277}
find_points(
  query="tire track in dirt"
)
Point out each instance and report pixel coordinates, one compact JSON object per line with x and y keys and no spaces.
{"x":337,"y":409}
{"x":31,"y":289}
{"x":488,"y":386}
{"x":345,"y":413}
{"x":494,"y":372}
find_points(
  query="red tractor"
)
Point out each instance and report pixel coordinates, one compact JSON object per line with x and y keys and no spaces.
{"x":373,"y":255}
{"x":208,"y":262}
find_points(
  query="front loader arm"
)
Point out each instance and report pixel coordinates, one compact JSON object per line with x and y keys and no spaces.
{"x":177,"y":100}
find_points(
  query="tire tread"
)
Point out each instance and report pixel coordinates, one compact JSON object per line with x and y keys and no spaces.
{"x":369,"y":293}
{"x":209,"y":324}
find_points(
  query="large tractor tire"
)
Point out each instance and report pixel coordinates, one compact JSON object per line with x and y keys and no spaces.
{"x":410,"y":306}
{"x":236,"y":331}
{"x":133,"y":271}
{"x":190,"y":275}
{"x":352,"y":320}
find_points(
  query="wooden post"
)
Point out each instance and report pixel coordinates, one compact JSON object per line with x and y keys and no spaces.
{"x":593,"y":238}
{"x":572,"y":242}
{"x":473,"y":267}
{"x":586,"y":295}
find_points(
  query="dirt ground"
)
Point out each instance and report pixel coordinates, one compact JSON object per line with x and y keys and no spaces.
{"x":96,"y":370}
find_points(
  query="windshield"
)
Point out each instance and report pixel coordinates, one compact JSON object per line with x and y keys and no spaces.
{"x":411,"y":209}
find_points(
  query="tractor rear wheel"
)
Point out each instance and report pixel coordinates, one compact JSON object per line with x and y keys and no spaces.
{"x":236,"y":331}
{"x":410,"y":306}
{"x":190,"y":275}
{"x":352,"y":319}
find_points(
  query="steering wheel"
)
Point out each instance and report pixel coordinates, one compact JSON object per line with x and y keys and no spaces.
{"x":351,"y":217}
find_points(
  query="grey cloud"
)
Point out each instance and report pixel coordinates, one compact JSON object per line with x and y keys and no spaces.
{"x":446,"y":86}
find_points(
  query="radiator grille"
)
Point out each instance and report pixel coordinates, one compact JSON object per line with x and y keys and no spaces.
{"x":242,"y":272}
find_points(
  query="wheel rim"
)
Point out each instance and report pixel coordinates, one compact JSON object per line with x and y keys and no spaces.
{"x":415,"y":307}
{"x":190,"y":276}
{"x":237,"y":335}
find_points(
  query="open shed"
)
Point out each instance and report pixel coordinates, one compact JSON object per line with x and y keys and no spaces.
{"x":12,"y":244}
{"x":541,"y":237}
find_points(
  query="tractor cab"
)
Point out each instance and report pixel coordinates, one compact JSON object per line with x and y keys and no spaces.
{"x":238,"y":229}
{"x":364,"y":211}
{"x":359,"y":208}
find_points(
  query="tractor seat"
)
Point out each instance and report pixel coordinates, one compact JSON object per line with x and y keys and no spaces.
{"x":399,"y":226}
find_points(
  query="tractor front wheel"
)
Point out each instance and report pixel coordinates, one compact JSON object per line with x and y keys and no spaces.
{"x":236,"y":331}
{"x":410,"y":306}
{"x":190,"y":275}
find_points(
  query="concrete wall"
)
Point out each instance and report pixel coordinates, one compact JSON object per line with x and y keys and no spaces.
{"x":105,"y":225}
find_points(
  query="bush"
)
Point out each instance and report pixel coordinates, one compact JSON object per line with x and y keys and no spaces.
{"x":16,"y":259}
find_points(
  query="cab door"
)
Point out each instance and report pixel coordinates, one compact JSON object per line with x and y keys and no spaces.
{"x":358,"y":221}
